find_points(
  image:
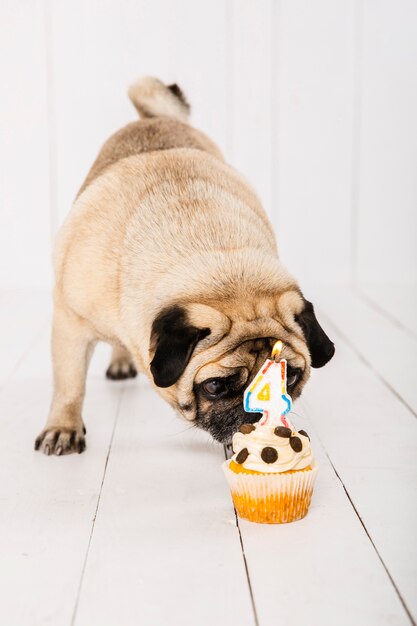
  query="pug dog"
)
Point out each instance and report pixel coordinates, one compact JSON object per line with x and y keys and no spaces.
{"x":168,"y":255}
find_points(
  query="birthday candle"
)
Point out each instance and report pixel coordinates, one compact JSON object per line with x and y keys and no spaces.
{"x":267,"y":394}
{"x":276,"y":348}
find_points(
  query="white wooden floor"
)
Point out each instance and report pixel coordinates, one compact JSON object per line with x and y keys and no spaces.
{"x":140,"y":529}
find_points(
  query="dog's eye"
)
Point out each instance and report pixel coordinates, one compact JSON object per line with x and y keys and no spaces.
{"x":293,"y":375}
{"x":215,"y":386}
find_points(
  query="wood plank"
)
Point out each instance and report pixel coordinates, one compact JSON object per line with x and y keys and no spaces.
{"x":251,"y":75}
{"x":165,"y":547}
{"x":200,"y":62}
{"x":91,"y":77}
{"x":24,"y":315}
{"x":396,"y":300}
{"x":27,"y":518}
{"x":372,"y":439}
{"x":387,"y":216}
{"x":47,"y":504}
{"x":25,"y":243}
{"x":322,"y":569}
{"x":313,"y":160}
{"x":387,"y":348}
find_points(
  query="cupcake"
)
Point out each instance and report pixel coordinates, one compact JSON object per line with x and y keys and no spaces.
{"x":272,"y":473}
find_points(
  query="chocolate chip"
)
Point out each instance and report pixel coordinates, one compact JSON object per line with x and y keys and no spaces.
{"x":242,"y":456}
{"x":246,"y":428}
{"x":296,"y":444}
{"x":269,"y":455}
{"x":303,"y":432}
{"x":282,"y":431}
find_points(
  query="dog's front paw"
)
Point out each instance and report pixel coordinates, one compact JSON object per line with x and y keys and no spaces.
{"x":55,"y":440}
{"x":121,"y":369}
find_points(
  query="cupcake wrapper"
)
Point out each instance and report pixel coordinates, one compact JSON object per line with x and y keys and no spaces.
{"x":272,"y":498}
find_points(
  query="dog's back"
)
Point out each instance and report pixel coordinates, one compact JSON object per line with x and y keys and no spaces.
{"x":164,"y":112}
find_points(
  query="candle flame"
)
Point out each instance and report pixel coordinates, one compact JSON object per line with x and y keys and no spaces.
{"x":276,"y":348}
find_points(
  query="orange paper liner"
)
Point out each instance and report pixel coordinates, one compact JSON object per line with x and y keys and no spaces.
{"x":272,"y":498}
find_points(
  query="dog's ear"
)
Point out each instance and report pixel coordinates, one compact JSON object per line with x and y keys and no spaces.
{"x":174,"y":339}
{"x":320,"y":347}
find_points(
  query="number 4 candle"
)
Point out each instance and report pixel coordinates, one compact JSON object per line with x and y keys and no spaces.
{"x":267,"y":394}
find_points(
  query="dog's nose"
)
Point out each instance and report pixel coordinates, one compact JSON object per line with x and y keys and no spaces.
{"x":252,"y":418}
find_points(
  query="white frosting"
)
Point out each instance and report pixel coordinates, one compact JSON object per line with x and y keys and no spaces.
{"x":264,"y":436}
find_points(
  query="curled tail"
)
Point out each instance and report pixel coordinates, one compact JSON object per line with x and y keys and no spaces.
{"x":152,"y":98}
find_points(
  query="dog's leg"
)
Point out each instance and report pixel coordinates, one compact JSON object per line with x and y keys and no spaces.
{"x":121,"y":364}
{"x":72,"y":346}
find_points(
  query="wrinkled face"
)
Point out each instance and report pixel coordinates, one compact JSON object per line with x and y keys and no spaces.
{"x":202,"y":365}
{"x":219,"y":397}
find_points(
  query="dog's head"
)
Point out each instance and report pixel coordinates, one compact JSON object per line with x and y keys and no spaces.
{"x":204,"y":355}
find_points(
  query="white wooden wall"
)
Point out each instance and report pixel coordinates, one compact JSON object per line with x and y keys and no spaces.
{"x":314,"y":101}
